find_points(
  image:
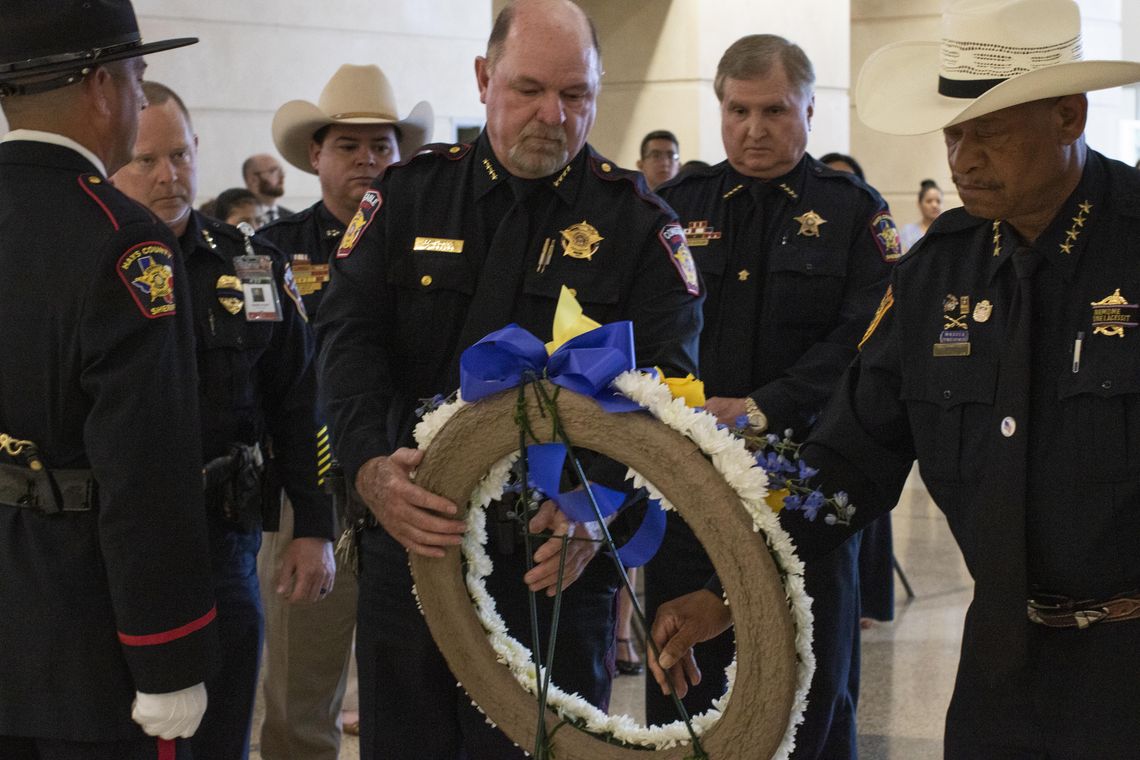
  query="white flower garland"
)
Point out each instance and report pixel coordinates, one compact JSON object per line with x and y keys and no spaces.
{"x":730,"y":457}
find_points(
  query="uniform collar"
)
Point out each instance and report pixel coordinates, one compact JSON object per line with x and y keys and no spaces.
{"x":329,"y":225}
{"x":1065,"y":239}
{"x":789,"y":185}
{"x":490,"y":174}
{"x":51,"y":138}
{"x":198,"y":237}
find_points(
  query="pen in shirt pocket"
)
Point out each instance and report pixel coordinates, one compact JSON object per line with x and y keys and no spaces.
{"x":1077,"y":352}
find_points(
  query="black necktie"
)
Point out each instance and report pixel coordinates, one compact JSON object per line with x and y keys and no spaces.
{"x":497,"y":288}
{"x":1002,"y":585}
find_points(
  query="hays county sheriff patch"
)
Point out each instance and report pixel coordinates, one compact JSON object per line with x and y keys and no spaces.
{"x":886,"y":236}
{"x":673,"y":238}
{"x":148,"y":272}
{"x":369,"y":204}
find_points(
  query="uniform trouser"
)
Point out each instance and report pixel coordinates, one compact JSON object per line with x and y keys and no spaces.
{"x":307,"y":651}
{"x":1078,"y":698}
{"x":20,"y":748}
{"x":828,"y":731}
{"x":410,"y":706}
{"x":225,"y":729}
{"x":877,"y":570}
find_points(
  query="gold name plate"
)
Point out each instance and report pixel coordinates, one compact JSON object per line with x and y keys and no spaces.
{"x":440,"y":245}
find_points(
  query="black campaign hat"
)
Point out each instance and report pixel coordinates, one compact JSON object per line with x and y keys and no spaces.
{"x":67,"y":38}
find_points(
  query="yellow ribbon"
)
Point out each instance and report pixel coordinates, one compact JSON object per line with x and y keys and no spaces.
{"x":689,"y":388}
{"x":569,"y":321}
{"x":775,"y":499}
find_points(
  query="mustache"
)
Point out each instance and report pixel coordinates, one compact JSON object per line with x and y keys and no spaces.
{"x":974,"y":184}
{"x":544,"y":132}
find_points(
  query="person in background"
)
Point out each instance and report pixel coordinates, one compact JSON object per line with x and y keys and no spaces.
{"x":876,"y":541}
{"x":308,"y":648}
{"x":265,"y":178}
{"x":109,"y":625}
{"x":841,"y":162}
{"x":257,"y":395}
{"x":795,"y":256}
{"x":660,"y":157}
{"x":235,"y":206}
{"x":929,"y":206}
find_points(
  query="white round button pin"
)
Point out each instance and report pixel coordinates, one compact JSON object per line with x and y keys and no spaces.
{"x":1008,"y":426}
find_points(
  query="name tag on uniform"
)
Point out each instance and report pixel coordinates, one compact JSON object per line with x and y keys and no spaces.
{"x":439,"y":245}
{"x":951,"y":349}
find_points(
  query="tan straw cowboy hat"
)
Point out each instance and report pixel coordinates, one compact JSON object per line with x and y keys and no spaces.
{"x":993,"y":54}
{"x":354,"y":95}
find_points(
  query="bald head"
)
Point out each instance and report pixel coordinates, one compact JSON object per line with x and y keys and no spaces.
{"x":560,"y":14}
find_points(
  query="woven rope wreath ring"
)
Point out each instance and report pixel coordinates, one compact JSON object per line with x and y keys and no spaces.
{"x":756,"y":717}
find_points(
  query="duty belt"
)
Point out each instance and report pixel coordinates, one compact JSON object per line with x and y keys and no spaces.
{"x":50,"y":491}
{"x":1060,"y":612}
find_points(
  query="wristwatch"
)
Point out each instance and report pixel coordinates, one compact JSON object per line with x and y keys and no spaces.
{"x":757,"y":420}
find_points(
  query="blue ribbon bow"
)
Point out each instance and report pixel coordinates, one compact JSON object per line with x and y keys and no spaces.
{"x":586,"y":364}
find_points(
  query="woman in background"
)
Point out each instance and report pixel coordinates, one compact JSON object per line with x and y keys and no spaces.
{"x":930,"y":206}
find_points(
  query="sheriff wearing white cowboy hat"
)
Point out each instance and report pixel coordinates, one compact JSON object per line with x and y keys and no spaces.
{"x":1005,"y":358}
{"x":350,"y":136}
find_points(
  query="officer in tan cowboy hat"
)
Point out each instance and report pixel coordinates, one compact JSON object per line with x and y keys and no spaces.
{"x":1005,"y":358}
{"x":348,"y":138}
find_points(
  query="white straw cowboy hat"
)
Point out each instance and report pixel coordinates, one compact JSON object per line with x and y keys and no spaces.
{"x":993,"y":54}
{"x":354,"y":95}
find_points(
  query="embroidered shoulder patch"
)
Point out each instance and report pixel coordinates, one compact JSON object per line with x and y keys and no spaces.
{"x":886,"y":236}
{"x":147,"y":269}
{"x":884,"y":306}
{"x":673,"y":238}
{"x":369,"y":205}
{"x":293,"y":292}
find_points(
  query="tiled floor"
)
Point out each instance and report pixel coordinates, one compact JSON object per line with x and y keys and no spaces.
{"x":908,"y":665}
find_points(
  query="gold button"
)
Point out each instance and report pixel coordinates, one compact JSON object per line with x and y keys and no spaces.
{"x":425,"y":280}
{"x":573,"y":292}
{"x":94,"y":180}
{"x":454,"y":149}
{"x":606,"y":167}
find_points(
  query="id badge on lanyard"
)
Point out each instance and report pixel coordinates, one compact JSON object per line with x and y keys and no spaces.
{"x":256,"y":275}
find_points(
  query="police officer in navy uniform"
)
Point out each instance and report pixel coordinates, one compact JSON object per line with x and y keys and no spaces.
{"x":308,"y":648}
{"x":795,"y":257}
{"x":258,"y":395}
{"x":459,"y":241}
{"x":109,"y":629}
{"x":1006,"y":358}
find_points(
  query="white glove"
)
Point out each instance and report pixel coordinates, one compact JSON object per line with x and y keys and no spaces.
{"x":174,"y":715}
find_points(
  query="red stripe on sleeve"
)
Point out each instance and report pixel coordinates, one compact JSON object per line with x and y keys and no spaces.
{"x":98,"y":200}
{"x":166,"y":749}
{"x":151,"y":639}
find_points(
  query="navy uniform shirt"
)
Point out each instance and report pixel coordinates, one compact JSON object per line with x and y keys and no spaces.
{"x":97,"y":368}
{"x":912,"y":393}
{"x":308,"y":239}
{"x":397,"y":309}
{"x":794,"y":267}
{"x":257,"y":377}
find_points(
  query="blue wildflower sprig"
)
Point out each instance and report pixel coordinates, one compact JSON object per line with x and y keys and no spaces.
{"x":780,"y":458}
{"x":428,"y":405}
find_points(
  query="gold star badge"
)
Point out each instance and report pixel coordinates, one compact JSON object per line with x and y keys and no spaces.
{"x":580,"y":241}
{"x":809,"y":223}
{"x":743,"y":274}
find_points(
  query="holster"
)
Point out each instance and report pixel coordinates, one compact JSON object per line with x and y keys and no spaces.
{"x":234,"y":484}
{"x":49,"y":491}
{"x":350,"y":509}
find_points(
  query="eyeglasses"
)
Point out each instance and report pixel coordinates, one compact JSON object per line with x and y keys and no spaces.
{"x":662,"y":155}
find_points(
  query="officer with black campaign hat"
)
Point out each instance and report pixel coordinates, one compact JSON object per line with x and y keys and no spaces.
{"x":108,"y":631}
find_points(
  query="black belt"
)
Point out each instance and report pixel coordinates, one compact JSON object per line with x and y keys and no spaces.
{"x":50,"y":491}
{"x":1062,"y":612}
